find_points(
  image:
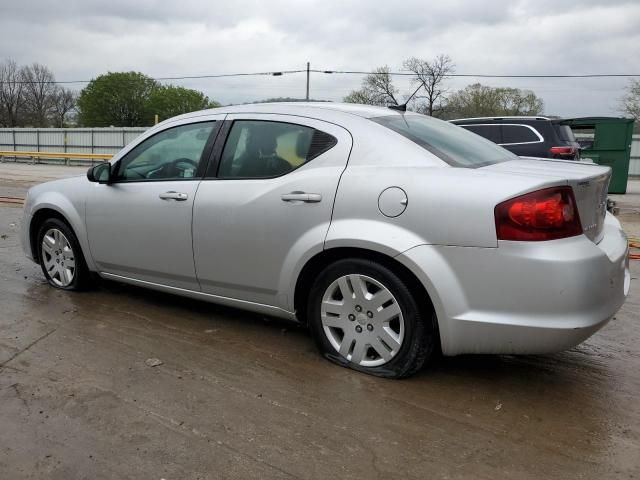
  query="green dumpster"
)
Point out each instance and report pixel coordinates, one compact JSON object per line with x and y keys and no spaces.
{"x":606,"y":141}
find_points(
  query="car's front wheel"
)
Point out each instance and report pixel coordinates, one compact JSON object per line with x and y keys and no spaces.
{"x":364,"y":316}
{"x":60,"y":256}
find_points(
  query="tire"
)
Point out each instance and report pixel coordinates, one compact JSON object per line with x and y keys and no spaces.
{"x":62,"y":262}
{"x":382,"y":331}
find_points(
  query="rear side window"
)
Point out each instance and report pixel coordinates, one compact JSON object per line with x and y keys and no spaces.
{"x":565,"y":133}
{"x":451,"y":143}
{"x":518,"y":134}
{"x":490,"y":132}
{"x":266,"y":149}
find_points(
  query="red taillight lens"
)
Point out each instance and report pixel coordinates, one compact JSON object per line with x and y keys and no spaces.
{"x":563,"y":151}
{"x":546,"y":214}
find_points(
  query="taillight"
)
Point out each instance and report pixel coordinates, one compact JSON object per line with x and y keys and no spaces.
{"x":562,"y":151}
{"x":546,"y":214}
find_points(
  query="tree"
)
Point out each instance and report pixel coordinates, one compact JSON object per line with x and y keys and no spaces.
{"x":38,"y":93}
{"x":131,"y":99}
{"x":64,"y":101}
{"x":631,"y":100}
{"x":480,"y":101}
{"x":120,"y":99}
{"x":167,"y":101}
{"x":360,"y":96}
{"x":431,"y":76}
{"x":377,"y":89}
{"x":11,"y":93}
{"x":29,"y":96}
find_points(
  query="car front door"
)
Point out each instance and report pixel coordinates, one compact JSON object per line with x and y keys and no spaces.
{"x":139,"y":225}
{"x":266,"y":205}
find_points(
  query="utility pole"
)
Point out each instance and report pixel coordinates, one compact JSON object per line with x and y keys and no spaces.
{"x":308,"y":65}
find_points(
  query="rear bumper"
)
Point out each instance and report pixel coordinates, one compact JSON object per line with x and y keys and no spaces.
{"x":524,"y":297}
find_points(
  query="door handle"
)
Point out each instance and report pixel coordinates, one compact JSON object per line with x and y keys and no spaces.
{"x":178,"y":196}
{"x":301,"y":197}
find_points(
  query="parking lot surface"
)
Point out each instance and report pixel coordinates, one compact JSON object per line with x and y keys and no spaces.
{"x":237,"y":395}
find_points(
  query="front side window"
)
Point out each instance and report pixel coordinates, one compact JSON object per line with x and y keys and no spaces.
{"x":452,"y":144}
{"x":173,"y":154}
{"x":266,"y":149}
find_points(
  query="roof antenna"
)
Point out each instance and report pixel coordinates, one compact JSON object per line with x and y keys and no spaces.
{"x":403,"y":107}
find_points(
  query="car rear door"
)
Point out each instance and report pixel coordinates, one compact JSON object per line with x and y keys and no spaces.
{"x":266,"y":205}
{"x":139,"y":226}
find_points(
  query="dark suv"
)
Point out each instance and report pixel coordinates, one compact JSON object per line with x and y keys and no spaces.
{"x":526,"y":136}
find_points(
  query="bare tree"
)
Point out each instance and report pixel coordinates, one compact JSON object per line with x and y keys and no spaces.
{"x":39,"y":90}
{"x":377,"y":89}
{"x":11,"y":93}
{"x":64,"y":101}
{"x":431,"y":75}
{"x":631,"y":100}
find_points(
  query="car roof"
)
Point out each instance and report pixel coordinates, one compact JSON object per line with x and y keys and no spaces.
{"x":500,"y":118}
{"x":323,"y":110}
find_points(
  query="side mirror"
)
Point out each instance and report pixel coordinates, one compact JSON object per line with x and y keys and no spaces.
{"x":100,"y":173}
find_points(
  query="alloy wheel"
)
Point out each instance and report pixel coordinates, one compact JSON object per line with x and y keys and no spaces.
{"x":58,"y":257}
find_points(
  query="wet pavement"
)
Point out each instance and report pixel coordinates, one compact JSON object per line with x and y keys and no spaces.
{"x":242,"y":396}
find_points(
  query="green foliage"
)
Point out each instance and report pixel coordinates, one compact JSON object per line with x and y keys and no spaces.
{"x":482,"y":101}
{"x":120,"y":99}
{"x":168,"y":101}
{"x":132,"y":99}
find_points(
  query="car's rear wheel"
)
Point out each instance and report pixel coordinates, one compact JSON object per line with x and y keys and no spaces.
{"x":60,"y":256}
{"x":364,"y":316}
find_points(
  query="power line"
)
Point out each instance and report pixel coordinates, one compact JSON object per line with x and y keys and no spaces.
{"x":185,"y":77}
{"x":357,"y":72}
{"x":486,"y":75}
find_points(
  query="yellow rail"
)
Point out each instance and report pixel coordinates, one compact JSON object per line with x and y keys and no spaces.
{"x":84,"y":156}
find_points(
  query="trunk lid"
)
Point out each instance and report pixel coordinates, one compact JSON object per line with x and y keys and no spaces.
{"x":590,"y":183}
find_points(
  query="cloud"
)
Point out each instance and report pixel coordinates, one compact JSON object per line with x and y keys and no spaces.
{"x":79,"y":39}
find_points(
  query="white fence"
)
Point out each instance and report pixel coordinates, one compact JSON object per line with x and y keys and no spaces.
{"x":71,"y":140}
{"x":111,"y":140}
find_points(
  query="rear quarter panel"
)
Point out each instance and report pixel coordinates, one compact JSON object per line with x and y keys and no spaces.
{"x":446,"y":206}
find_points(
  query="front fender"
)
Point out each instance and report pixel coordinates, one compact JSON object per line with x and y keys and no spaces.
{"x":70,"y":205}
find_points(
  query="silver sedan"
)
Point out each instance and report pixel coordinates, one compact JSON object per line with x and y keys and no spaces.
{"x":391,"y":235}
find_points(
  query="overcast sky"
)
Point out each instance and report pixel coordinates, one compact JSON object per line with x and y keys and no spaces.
{"x":80,"y":39}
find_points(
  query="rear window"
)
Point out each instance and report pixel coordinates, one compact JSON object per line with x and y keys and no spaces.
{"x":565,"y":133}
{"x":518,"y":134}
{"x":451,"y":143}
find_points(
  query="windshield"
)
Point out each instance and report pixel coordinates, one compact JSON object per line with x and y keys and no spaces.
{"x":452,"y":144}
